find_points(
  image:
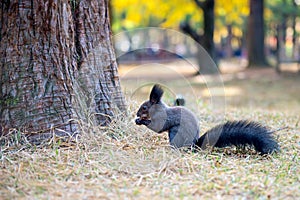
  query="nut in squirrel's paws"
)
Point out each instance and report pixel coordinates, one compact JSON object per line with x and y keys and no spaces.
{"x":144,"y":117}
{"x":143,"y":120}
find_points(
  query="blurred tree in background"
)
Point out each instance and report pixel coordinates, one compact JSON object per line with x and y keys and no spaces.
{"x":256,"y":34}
{"x":283,"y":20}
{"x":207,"y":38}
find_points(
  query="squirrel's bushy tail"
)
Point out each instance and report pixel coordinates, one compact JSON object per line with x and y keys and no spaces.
{"x":240,"y":133}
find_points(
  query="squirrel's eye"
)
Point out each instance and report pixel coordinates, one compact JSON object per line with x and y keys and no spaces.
{"x":144,"y":107}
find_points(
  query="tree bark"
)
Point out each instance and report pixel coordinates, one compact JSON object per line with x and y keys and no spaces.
{"x":97,"y":67}
{"x":256,"y":45}
{"x":56,"y":56}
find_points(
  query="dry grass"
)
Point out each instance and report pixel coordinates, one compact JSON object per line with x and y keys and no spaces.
{"x":126,"y":161}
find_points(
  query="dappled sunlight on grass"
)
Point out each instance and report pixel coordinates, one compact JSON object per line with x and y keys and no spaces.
{"x":227,"y":92}
{"x":172,"y":70}
{"x":255,"y":88}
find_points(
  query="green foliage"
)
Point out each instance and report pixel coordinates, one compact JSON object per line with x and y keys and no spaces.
{"x":276,"y":10}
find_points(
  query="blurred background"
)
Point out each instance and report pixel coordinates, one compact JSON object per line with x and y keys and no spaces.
{"x":236,"y":34}
{"x":253,"y":48}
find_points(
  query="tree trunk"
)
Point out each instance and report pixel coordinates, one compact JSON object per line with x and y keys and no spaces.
{"x":256,"y":45}
{"x":294,"y":27}
{"x":228,"y":47}
{"x":206,"y":40}
{"x":209,"y":25}
{"x":56,"y":56}
{"x":98,"y":76}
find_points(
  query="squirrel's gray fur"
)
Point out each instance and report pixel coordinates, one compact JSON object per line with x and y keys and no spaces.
{"x":183,"y":128}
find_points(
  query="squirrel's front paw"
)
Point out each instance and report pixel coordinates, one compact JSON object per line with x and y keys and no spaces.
{"x":140,"y":121}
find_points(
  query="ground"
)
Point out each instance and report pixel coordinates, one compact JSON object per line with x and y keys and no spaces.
{"x":125,"y":161}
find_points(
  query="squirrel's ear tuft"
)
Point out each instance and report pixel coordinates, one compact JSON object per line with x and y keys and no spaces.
{"x":156,"y":94}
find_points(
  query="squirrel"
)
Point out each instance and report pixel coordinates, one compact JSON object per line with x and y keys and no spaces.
{"x":183,"y":128}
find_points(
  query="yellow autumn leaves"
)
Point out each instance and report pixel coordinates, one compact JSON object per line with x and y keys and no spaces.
{"x":169,"y":13}
{"x":164,"y":13}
